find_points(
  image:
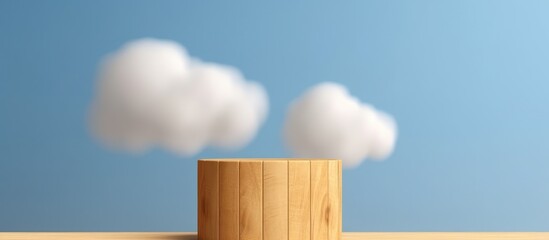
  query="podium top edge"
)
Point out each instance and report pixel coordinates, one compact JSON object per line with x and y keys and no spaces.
{"x":264,"y":159}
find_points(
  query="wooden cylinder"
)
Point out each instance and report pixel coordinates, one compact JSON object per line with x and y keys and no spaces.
{"x":270,"y":199}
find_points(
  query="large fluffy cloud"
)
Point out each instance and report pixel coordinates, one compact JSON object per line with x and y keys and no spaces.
{"x":152,"y":93}
{"x":327,"y":122}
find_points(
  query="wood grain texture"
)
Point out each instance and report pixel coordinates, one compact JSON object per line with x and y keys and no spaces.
{"x":334,"y":201}
{"x":346,"y":236}
{"x":208,"y":205}
{"x":271,"y":199}
{"x":319,"y":200}
{"x":229,"y":200}
{"x":445,"y":236}
{"x":299,"y":200}
{"x":340,"y":227}
{"x":201,"y":175}
{"x":251,"y":200}
{"x":275,"y":200}
{"x":98,"y":236}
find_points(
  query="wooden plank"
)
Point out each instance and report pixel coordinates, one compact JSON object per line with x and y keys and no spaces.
{"x":98,"y":236}
{"x":319,"y":192}
{"x":445,"y":236}
{"x":228,"y":200}
{"x":299,"y":200}
{"x":251,"y":200}
{"x":340,"y":195}
{"x":346,"y":236}
{"x":275,"y":200}
{"x":208,"y":200}
{"x":334,"y":198}
{"x":201,"y":175}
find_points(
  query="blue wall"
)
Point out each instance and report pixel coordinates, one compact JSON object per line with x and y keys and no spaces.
{"x":468,"y":82}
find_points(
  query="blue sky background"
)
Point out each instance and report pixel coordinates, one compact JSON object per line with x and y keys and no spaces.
{"x":468,"y":82}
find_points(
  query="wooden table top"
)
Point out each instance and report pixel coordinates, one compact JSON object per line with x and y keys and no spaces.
{"x":346,"y":236}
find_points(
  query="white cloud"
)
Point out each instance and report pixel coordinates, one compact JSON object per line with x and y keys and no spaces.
{"x":152,"y":93}
{"x":327,"y":122}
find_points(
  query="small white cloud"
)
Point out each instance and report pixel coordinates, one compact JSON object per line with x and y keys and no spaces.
{"x":152,"y":93}
{"x":327,"y":122}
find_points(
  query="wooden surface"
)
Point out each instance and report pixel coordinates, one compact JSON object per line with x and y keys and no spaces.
{"x":275,"y":203}
{"x":346,"y":236}
{"x":299,"y":200}
{"x":208,"y":197}
{"x":334,"y":201}
{"x":229,"y":203}
{"x":319,"y":200}
{"x":251,"y":201}
{"x":269,"y":199}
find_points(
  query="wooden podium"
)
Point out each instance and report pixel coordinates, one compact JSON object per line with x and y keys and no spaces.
{"x":269,"y":199}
